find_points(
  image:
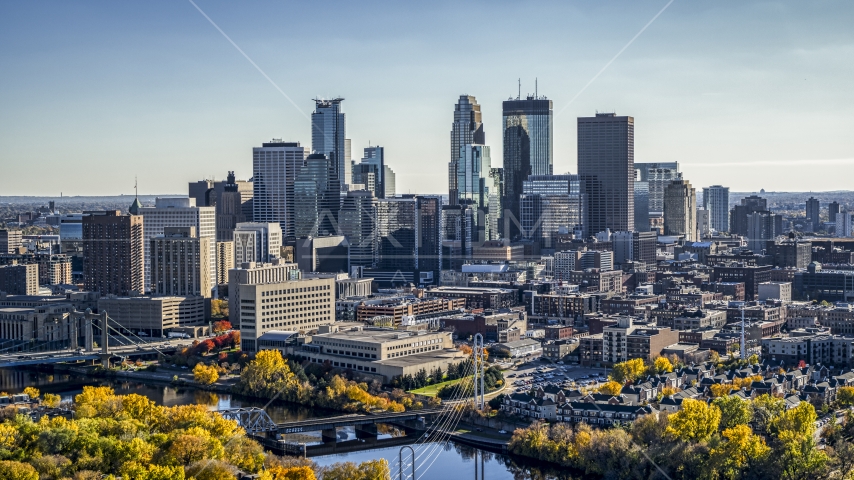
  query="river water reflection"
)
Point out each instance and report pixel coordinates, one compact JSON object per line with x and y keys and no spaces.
{"x":433,"y":461}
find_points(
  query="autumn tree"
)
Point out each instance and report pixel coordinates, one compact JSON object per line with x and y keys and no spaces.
{"x":695,"y":422}
{"x":205,"y":374}
{"x":845,"y":396}
{"x":33,"y":392}
{"x":734,"y":411}
{"x":611,"y":388}
{"x":221,"y":326}
{"x":628,"y":371}
{"x":739,"y":449}
{"x":51,"y":401}
{"x":662,"y":365}
{"x":10,"y":470}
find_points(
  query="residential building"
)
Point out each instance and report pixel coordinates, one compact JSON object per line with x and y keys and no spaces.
{"x":528,"y":150}
{"x":179,"y":212}
{"x":716,"y":201}
{"x":790,"y":253}
{"x":739,"y":213}
{"x":113,"y":253}
{"x":844,"y":224}
{"x":275,"y":167}
{"x":558,"y":350}
{"x":54,"y":269}
{"x":606,"y":170}
{"x":180,"y":263}
{"x":224,"y":261}
{"x":20,"y":279}
{"x":10,"y":240}
{"x":635,"y":247}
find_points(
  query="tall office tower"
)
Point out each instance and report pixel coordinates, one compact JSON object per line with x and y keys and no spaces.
{"x":473,"y":188}
{"x":224,"y":261}
{"x":658,"y":176}
{"x":316,"y":198}
{"x":203,"y":192}
{"x":496,"y":196}
{"x":528,"y":140}
{"x":375,"y":160}
{"x":180,"y":263}
{"x":606,"y":155}
{"x":389,"y":182}
{"x":762,"y":227}
{"x":208,"y":193}
{"x":275,"y":167}
{"x":357,"y":223}
{"x":113,"y":253}
{"x":458,"y":225}
{"x":832,"y":210}
{"x":703,"y":224}
{"x":551,"y":204}
{"x":374,"y":174}
{"x":680,"y":210}
{"x":813,"y":210}
{"x":396,"y":234}
{"x":642,"y":210}
{"x":230,"y":208}
{"x":466,"y":129}
{"x":257,"y":242}
{"x":179,"y":212}
{"x":10,"y":240}
{"x":348,"y":153}
{"x":844,"y":224}
{"x":716,"y":201}
{"x":429,"y":238}
{"x":739,"y":213}
{"x":327,"y":138}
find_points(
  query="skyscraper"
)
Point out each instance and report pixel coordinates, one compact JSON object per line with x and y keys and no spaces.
{"x":528,"y":144}
{"x":680,"y":210}
{"x":179,"y":212}
{"x":396,"y":234}
{"x":474,"y":188}
{"x":716,"y":201}
{"x":180,"y":263}
{"x":374,"y":174}
{"x":813,"y":210}
{"x":466,"y":129}
{"x":316,"y":198}
{"x":358,"y":224}
{"x":113,"y":253}
{"x":658,"y":176}
{"x":739,"y":213}
{"x":231,"y":206}
{"x":606,"y":155}
{"x":275,"y":167}
{"x":762,"y":226}
{"x":429,"y":237}
{"x":832,"y":210}
{"x":327,"y":137}
{"x":551,"y":204}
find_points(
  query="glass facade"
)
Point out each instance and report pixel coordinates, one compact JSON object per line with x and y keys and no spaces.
{"x":467,"y":129}
{"x":358,"y":217}
{"x":275,"y":167}
{"x":528,"y":144}
{"x":396,"y":234}
{"x":716,"y":201}
{"x":551,"y":204}
{"x":327,"y":137}
{"x":658,"y":176}
{"x":316,"y":198}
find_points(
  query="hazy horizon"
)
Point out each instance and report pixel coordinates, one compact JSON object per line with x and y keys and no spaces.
{"x":747,"y":95}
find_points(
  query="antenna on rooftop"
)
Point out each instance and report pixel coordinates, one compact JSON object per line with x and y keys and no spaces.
{"x":535,"y":88}
{"x":519,"y":95}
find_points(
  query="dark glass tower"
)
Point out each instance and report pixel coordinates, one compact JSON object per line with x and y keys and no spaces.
{"x":466,"y":129}
{"x":327,"y":136}
{"x":606,"y":157}
{"x":528,"y":139}
{"x":316,"y":198}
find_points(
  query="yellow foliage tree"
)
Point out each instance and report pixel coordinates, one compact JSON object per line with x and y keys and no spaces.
{"x":628,"y":371}
{"x":10,"y":470}
{"x":720,"y":389}
{"x":611,"y":388}
{"x":800,"y":420}
{"x":662,"y":365}
{"x":205,"y":374}
{"x":51,"y":401}
{"x":740,"y":448}
{"x":290,"y":473}
{"x":695,"y":422}
{"x":33,"y":392}
{"x":845,"y":396}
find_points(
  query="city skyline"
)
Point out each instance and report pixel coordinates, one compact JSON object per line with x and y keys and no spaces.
{"x":753,"y":109}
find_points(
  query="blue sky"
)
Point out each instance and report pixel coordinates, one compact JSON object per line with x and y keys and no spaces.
{"x":746,"y":94}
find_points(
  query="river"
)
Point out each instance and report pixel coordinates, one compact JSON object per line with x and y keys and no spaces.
{"x":433,"y":461}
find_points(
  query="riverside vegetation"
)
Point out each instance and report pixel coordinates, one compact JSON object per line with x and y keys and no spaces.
{"x":132,"y":437}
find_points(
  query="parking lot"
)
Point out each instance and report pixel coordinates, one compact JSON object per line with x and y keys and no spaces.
{"x":525,"y":376}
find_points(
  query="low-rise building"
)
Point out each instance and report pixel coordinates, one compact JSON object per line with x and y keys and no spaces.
{"x":486,"y":298}
{"x":781,"y":291}
{"x":154,"y":316}
{"x":558,"y":350}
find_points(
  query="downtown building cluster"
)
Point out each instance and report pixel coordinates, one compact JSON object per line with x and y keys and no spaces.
{"x":316,"y":251}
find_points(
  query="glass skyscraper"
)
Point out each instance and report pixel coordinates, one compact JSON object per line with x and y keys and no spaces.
{"x":316,"y":198}
{"x":606,"y":157}
{"x":658,"y":176}
{"x":466,"y":129}
{"x":716,"y":201}
{"x":327,"y":136}
{"x":358,"y":224}
{"x":551,"y":204}
{"x":476,"y":187}
{"x":528,"y":140}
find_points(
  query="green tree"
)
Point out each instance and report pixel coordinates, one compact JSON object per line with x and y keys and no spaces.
{"x":734,"y":411}
{"x":10,"y":470}
{"x":697,"y":421}
{"x":845,"y":396}
{"x":800,"y":420}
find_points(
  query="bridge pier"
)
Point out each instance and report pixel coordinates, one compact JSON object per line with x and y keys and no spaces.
{"x":367,"y":431}
{"x":329,"y":435}
{"x":105,"y":359}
